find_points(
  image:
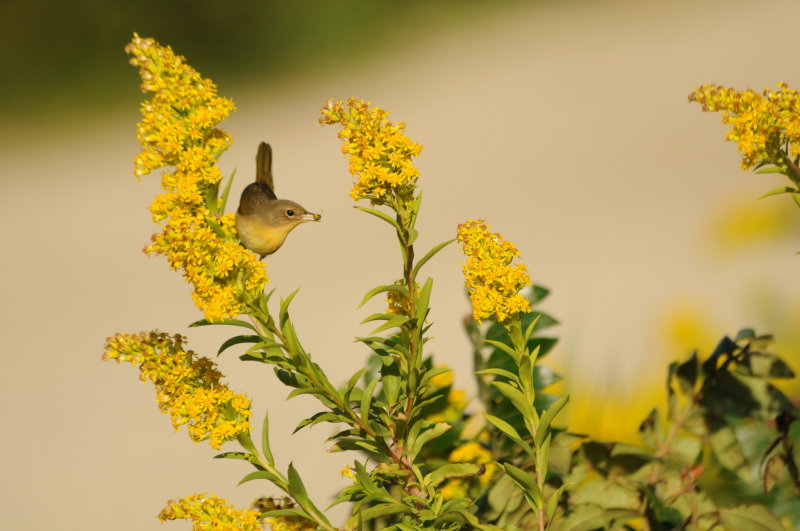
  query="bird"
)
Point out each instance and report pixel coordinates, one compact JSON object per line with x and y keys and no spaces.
{"x":263,"y":220}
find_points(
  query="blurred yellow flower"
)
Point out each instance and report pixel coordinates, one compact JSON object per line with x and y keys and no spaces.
{"x":492,"y":282}
{"x":210,"y":513}
{"x":178,"y":130}
{"x":187,"y":387}
{"x":380,"y":153}
{"x":764,"y":125}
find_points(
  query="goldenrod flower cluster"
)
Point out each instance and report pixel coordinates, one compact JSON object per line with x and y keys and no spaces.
{"x":188,"y":387}
{"x":178,"y":131}
{"x":380,"y":154}
{"x":282,"y":523}
{"x":210,"y":513}
{"x":766,"y":126}
{"x":492,"y":282}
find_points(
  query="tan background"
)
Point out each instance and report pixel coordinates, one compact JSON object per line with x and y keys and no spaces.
{"x":566,"y":127}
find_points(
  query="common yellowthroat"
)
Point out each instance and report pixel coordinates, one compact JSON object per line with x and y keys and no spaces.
{"x":263,"y":220}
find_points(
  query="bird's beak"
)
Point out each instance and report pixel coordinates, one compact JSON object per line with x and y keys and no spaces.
{"x":310,"y":217}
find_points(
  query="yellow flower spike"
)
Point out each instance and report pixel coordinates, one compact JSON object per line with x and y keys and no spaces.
{"x":179,"y":130}
{"x":210,"y":512}
{"x":492,"y":282}
{"x":765,"y":126}
{"x":187,"y":387}
{"x":380,"y":154}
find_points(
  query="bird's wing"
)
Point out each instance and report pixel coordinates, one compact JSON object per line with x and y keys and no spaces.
{"x":264,"y":169}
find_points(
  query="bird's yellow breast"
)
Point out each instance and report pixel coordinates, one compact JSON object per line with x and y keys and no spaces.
{"x":260,"y":237}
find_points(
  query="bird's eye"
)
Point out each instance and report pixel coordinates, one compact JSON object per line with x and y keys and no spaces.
{"x":290,"y":212}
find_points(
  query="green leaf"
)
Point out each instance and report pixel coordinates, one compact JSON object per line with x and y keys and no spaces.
{"x":383,"y":216}
{"x":423,"y":300}
{"x":298,"y":491}
{"x":396,"y":321}
{"x":284,"y":308}
{"x":223,"y":201}
{"x":402,"y":290}
{"x":452,"y":470}
{"x":552,"y":503}
{"x":244,"y":456}
{"x":518,"y":399}
{"x":773,"y":471}
{"x":261,"y":474}
{"x":382,"y":509}
{"x":505,"y":348}
{"x":236,"y":340}
{"x":498,"y":372}
{"x":547,"y":418}
{"x":217,"y":229}
{"x":527,"y":483}
{"x":287,"y":512}
{"x":265,"y":448}
{"x":366,"y":399}
{"x":416,"y":444}
{"x":232,"y":322}
{"x":584,"y":517}
{"x":749,"y":518}
{"x":779,"y":190}
{"x":436,"y":371}
{"x":430,"y":254}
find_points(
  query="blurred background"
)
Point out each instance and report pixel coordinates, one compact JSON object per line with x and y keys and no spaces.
{"x":564,"y":124}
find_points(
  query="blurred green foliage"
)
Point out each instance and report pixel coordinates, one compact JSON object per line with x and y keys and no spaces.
{"x":67,"y":56}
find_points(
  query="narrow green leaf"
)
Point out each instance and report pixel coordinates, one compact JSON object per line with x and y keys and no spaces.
{"x":430,"y":254}
{"x":237,"y":340}
{"x":261,"y":474}
{"x":223,"y":201}
{"x":499,"y":372}
{"x":436,"y":371}
{"x":547,"y":418}
{"x":780,"y":190}
{"x":505,"y":348}
{"x":382,"y":509}
{"x":366,"y":398}
{"x":517,"y":398}
{"x":402,"y":290}
{"x":423,"y":300}
{"x":527,"y":483}
{"x":232,"y":322}
{"x":383,"y":216}
{"x":439,"y":429}
{"x":452,"y":470}
{"x":243,"y":456}
{"x":552,"y":503}
{"x":287,"y":512}
{"x":506,"y":428}
{"x":298,"y":491}
{"x":284,"y":309}
{"x":396,"y":321}
{"x":265,"y":448}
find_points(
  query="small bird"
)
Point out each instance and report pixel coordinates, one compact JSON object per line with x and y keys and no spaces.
{"x":263,"y":220}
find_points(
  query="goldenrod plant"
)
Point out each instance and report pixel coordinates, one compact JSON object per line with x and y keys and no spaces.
{"x":721,"y":456}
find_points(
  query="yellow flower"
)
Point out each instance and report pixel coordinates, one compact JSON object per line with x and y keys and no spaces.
{"x":492,"y":282}
{"x":380,"y":153}
{"x":209,"y":512}
{"x":765,"y":126}
{"x":178,"y":130}
{"x":187,"y":387}
{"x":347,"y":472}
